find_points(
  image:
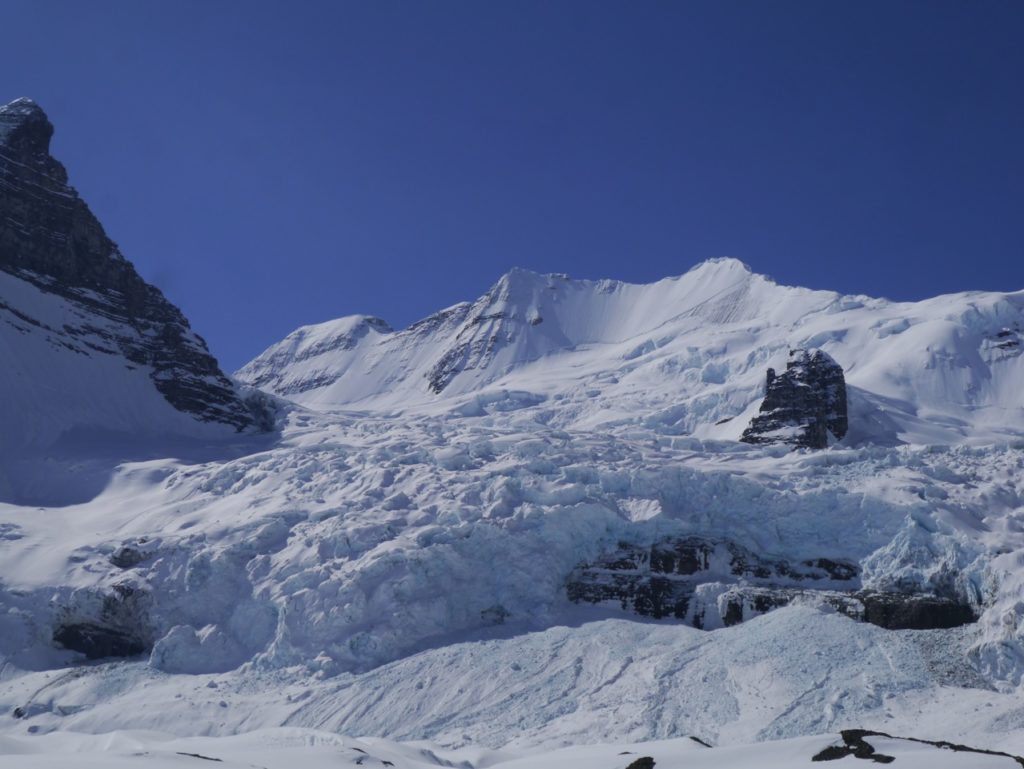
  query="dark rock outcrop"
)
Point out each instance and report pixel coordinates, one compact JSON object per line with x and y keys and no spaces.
{"x":111,"y":624}
{"x":902,"y":611}
{"x":855,"y":744}
{"x":661,"y":580}
{"x":473,"y":351}
{"x":893,"y":611}
{"x":804,"y":405}
{"x":127,"y":557}
{"x":97,"y":642}
{"x":50,"y":238}
{"x":711,"y":583}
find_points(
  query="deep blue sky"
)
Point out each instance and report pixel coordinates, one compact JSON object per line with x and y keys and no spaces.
{"x":270,"y":164}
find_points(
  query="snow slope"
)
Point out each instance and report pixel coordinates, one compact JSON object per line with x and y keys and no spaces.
{"x":394,"y":561}
{"x":66,"y":391}
{"x":92,"y":354}
{"x":794,"y":671}
{"x":281,"y":748}
{"x":684,"y":353}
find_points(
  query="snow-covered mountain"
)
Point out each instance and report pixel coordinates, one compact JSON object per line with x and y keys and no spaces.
{"x":524,"y":521}
{"x":687,"y":355}
{"x":89,"y":348}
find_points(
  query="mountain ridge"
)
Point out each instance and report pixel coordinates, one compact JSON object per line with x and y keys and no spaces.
{"x":81,"y":324}
{"x":703,"y":341}
{"x":485,"y":526}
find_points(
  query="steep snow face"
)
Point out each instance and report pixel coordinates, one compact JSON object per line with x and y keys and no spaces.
{"x":523,"y":318}
{"x":688,"y":354}
{"x":87,"y":345}
{"x":313,"y":358}
{"x":63,"y":372}
{"x":68,"y":390}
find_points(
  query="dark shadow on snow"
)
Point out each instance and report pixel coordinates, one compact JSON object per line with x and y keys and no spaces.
{"x":82,"y":463}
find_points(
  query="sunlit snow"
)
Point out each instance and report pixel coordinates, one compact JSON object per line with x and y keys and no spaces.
{"x":393,"y":561}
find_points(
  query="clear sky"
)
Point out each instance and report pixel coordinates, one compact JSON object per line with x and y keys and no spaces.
{"x":271,"y":164}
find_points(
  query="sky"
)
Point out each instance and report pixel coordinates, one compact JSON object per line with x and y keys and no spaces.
{"x":273,"y":164}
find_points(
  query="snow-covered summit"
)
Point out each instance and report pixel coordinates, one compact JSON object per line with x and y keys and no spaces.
{"x":689,"y":352}
{"x":315,"y":345}
{"x":525,"y":316}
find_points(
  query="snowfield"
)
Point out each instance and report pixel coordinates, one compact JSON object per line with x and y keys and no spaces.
{"x":393,"y":560}
{"x":280,"y":748}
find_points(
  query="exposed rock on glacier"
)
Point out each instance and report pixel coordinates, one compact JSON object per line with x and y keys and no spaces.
{"x":712,"y":583}
{"x":389,"y":519}
{"x":681,"y":356}
{"x":86,"y":300}
{"x":111,"y":624}
{"x":804,"y":405}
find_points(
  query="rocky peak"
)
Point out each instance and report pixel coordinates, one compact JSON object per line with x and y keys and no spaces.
{"x":24,"y":128}
{"x":25,"y":133}
{"x":50,"y":239}
{"x":804,"y":406}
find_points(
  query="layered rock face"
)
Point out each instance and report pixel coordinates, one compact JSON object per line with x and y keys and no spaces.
{"x":804,"y":405}
{"x":50,"y":239}
{"x":710,"y":583}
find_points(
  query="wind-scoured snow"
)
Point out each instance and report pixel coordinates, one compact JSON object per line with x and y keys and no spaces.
{"x":394,"y":562}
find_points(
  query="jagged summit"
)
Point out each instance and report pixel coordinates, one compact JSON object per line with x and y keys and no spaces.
{"x":25,"y":133}
{"x":23,"y":114}
{"x":688,"y":352}
{"x":76,"y":315}
{"x":804,"y":406}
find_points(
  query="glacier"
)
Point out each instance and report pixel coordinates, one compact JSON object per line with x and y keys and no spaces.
{"x":392,"y":558}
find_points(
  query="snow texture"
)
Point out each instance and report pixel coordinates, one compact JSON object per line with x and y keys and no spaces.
{"x":394,"y":561}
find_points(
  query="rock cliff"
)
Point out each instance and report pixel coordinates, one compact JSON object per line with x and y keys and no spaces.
{"x":50,"y":239}
{"x":804,"y":405}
